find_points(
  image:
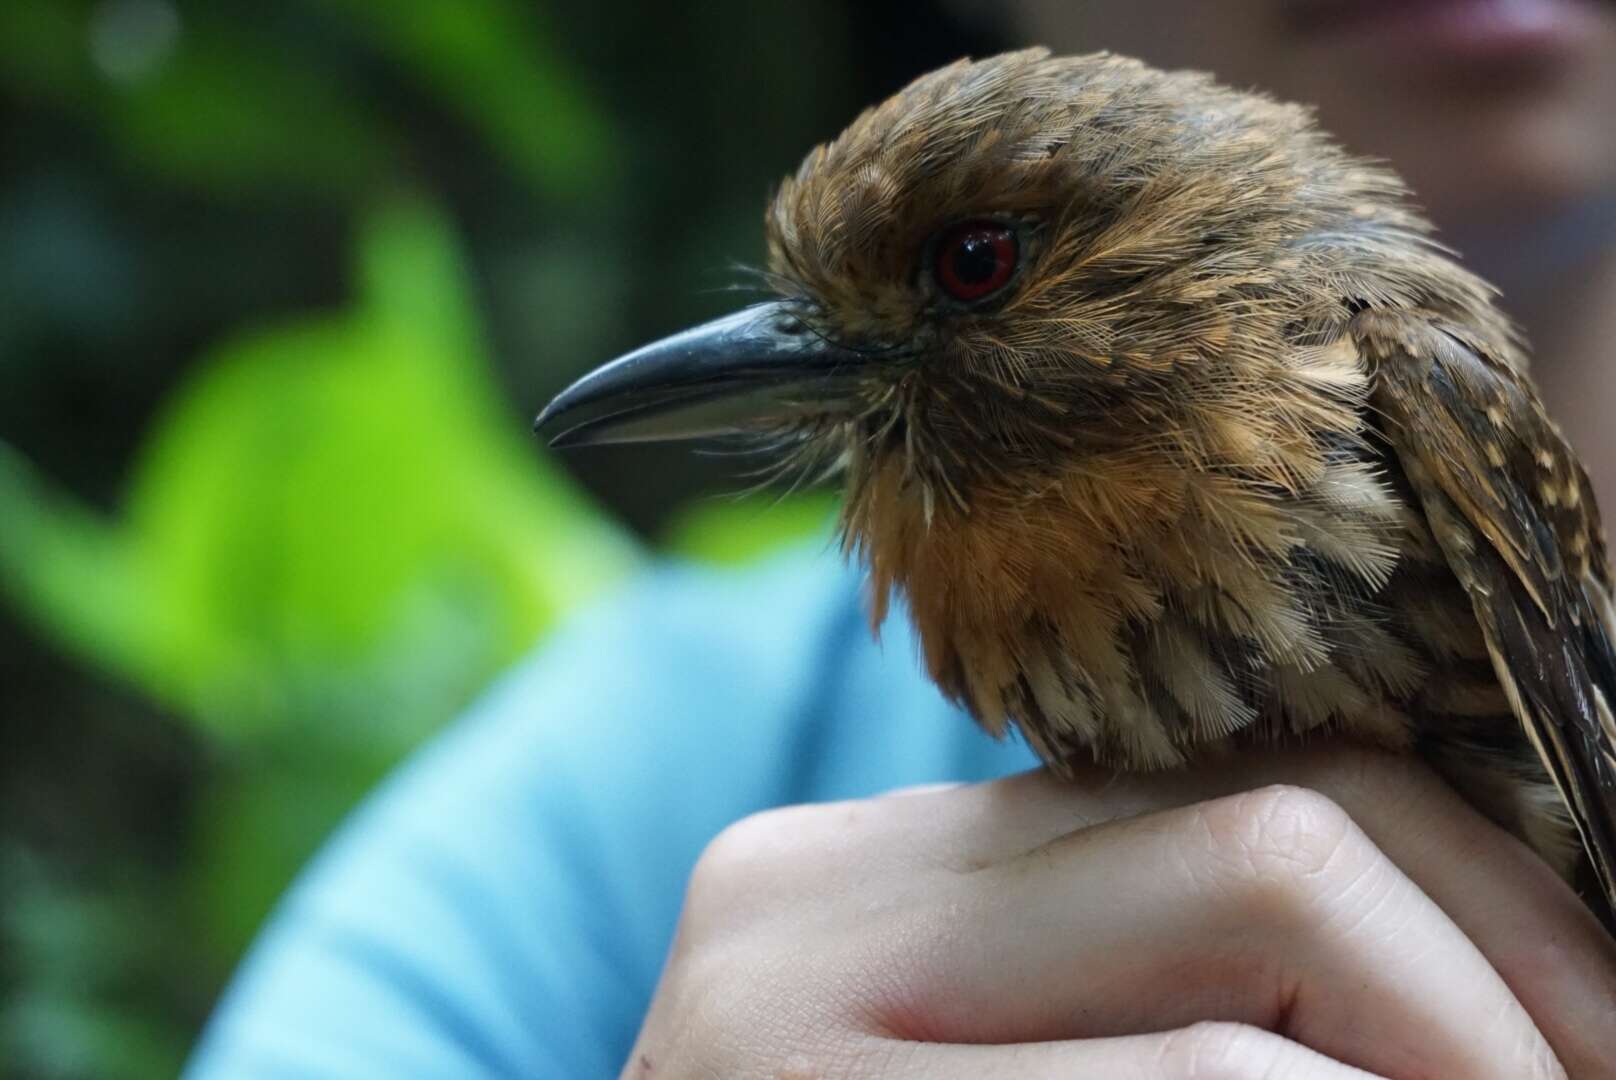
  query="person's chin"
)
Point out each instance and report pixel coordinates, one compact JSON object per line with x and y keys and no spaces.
{"x":1449,"y":35}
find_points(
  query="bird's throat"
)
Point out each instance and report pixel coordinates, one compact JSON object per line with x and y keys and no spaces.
{"x":1135,"y":605}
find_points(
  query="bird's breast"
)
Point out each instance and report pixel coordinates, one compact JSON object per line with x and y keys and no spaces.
{"x":1138,"y":612}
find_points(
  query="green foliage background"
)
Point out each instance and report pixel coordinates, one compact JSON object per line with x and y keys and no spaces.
{"x":280,"y":286}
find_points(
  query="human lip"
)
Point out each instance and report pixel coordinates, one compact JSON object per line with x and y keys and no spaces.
{"x":1476,"y":29}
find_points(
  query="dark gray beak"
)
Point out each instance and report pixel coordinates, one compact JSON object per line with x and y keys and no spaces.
{"x":750,"y":371}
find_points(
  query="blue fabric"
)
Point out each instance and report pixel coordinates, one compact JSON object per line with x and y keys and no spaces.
{"x":503,"y":905}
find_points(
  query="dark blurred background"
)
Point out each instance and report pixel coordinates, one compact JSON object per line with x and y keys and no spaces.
{"x":281,"y":286}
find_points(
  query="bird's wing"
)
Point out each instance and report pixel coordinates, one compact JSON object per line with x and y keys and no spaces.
{"x":1514,"y":513}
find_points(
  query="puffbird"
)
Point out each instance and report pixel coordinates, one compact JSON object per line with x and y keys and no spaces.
{"x":1176,"y":430}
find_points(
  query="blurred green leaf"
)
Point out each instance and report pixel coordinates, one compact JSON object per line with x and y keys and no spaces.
{"x":198,"y":98}
{"x":494,"y":63}
{"x":71,"y":1036}
{"x":314,"y":486}
{"x":259,"y":821}
{"x":42,"y":53}
{"x":223,"y":112}
{"x":194,"y":99}
{"x":61,"y":564}
{"x":335,"y":537}
{"x":94,"y":965}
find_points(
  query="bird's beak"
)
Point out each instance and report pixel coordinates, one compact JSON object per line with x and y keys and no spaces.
{"x":749,"y":371}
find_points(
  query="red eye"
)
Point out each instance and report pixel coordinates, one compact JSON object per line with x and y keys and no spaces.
{"x":975,"y":259}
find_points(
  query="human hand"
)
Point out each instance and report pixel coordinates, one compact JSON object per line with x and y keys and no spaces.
{"x":1201,"y":924}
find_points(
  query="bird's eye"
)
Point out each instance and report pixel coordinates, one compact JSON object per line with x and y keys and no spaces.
{"x":975,"y":259}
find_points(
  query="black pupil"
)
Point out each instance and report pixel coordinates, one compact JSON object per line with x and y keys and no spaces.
{"x":976,"y":258}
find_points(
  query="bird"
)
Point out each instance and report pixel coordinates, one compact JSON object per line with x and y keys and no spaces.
{"x":1176,"y":431}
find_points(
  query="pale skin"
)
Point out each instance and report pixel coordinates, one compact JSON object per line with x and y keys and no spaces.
{"x":1274,"y":916}
{"x":1323,"y":912}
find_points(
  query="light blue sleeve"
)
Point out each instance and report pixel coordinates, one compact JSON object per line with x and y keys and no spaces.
{"x":502,"y":906}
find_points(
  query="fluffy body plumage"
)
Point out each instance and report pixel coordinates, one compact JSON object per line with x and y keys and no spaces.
{"x":1239,"y":455}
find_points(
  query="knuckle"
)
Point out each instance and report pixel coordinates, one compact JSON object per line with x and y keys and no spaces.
{"x":785,"y":855}
{"x":1282,"y":844}
{"x":1219,"y":1050}
{"x":746,"y":855}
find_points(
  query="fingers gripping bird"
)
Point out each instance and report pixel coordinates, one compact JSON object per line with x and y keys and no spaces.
{"x":1176,"y":430}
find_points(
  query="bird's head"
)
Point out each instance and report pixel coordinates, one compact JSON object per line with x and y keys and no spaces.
{"x":1025,"y":270}
{"x":987,"y":267}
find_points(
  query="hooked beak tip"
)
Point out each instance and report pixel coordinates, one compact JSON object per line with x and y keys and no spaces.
{"x":560,"y":437}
